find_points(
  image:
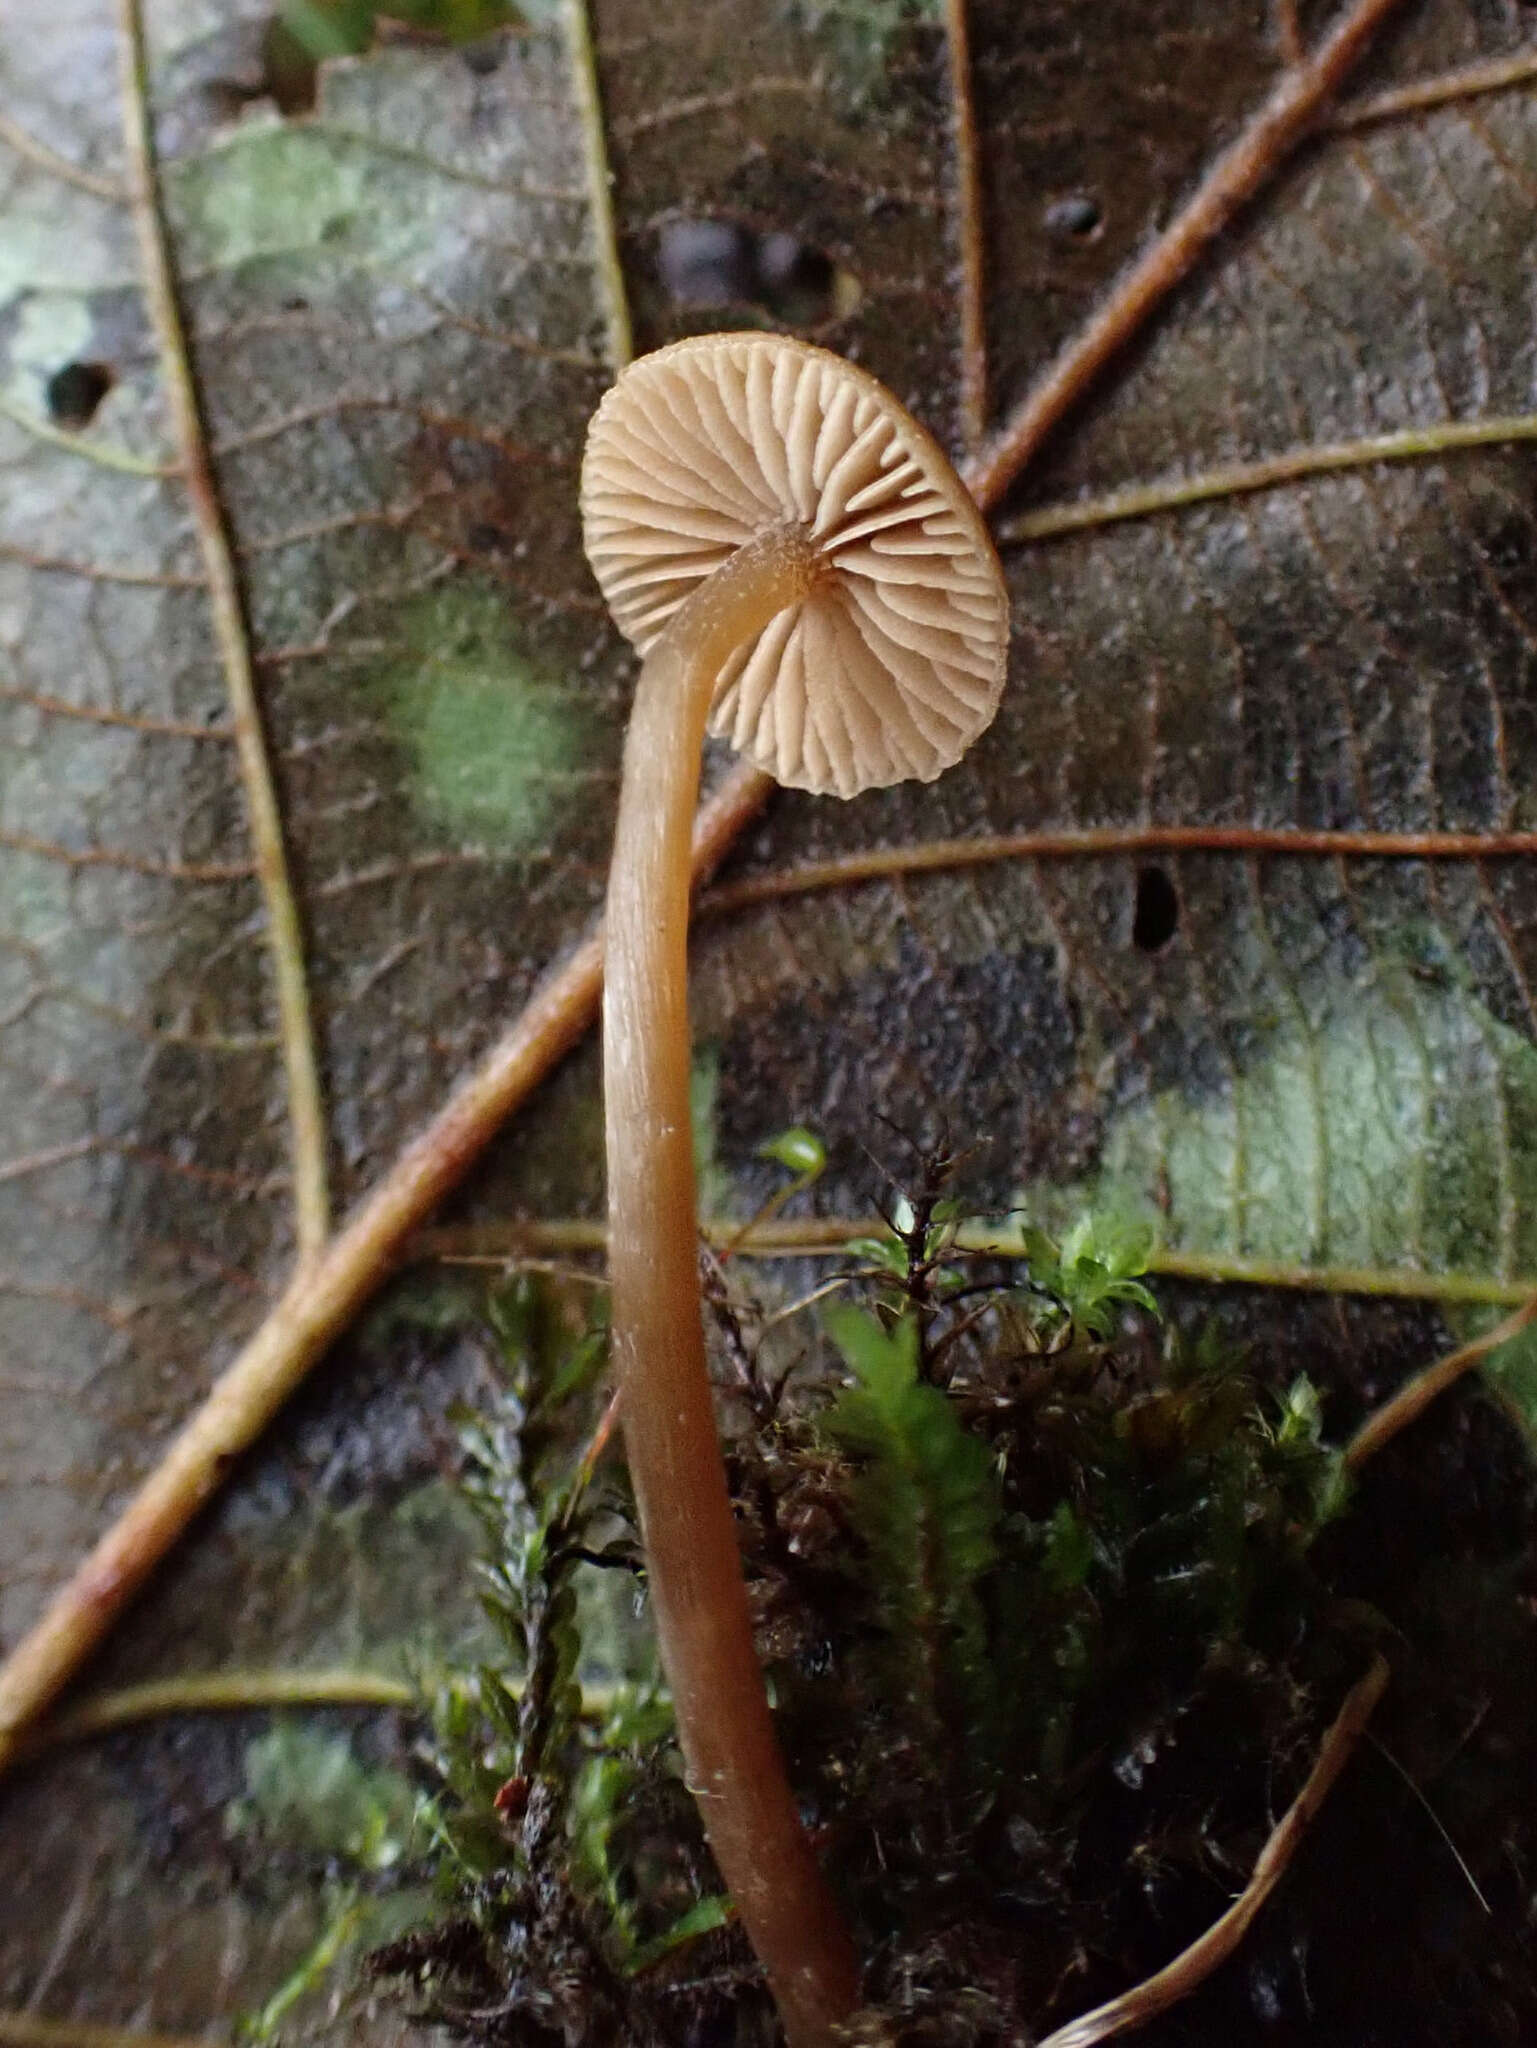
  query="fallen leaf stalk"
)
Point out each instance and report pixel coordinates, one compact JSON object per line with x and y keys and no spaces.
{"x":1192,"y":1966}
{"x":1296,"y":106}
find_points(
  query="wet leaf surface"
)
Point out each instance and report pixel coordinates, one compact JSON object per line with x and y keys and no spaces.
{"x":398,"y":328}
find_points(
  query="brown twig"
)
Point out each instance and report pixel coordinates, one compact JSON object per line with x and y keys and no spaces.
{"x":1283,"y":842}
{"x":1289,"y":32}
{"x":600,"y":184}
{"x":30,"y":2030}
{"x":1473,"y":80}
{"x":319,"y":1304}
{"x":1418,"y":1391}
{"x":221,"y":1692}
{"x":968,"y":228}
{"x":306,"y":1109}
{"x":813,"y":1237}
{"x":38,"y":154}
{"x":1239,"y":479}
{"x":1294,"y":108}
{"x":1190,"y":1969}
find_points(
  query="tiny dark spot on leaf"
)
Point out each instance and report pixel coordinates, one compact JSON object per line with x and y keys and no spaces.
{"x":76,"y":391}
{"x":1075,"y":217}
{"x":296,"y":305}
{"x":1156,"y":918}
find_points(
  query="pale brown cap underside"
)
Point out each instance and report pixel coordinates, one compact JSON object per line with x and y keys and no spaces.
{"x":893,"y":664}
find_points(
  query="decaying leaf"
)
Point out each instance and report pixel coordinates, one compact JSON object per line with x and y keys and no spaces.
{"x":401,"y":313}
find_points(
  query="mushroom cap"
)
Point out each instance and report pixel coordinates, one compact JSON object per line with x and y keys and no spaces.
{"x":894,"y":662}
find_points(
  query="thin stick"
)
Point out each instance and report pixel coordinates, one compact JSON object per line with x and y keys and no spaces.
{"x":1237,"y":479}
{"x":1289,"y":31}
{"x":1190,"y":1969}
{"x":28,"y":2030}
{"x":1418,"y":1795}
{"x":102,"y":453}
{"x":245,"y":1692}
{"x":830,"y":1237}
{"x":222,"y":1692}
{"x":1405,"y":1283}
{"x":285,"y":938}
{"x":1417,"y":1392}
{"x":968,"y":228}
{"x":1282,"y":842}
{"x":38,"y":154}
{"x":1292,"y":110}
{"x":600,"y":184}
{"x":1474,"y":79}
{"x":320,"y":1303}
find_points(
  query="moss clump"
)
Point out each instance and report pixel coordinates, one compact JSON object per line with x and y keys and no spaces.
{"x":1055,"y":1598}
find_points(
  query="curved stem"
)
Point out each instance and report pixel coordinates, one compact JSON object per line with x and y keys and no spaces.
{"x":1421,"y":1388}
{"x":1192,"y":1966}
{"x":734,"y":1766}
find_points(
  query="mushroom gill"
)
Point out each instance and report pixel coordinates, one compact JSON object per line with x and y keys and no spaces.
{"x":892,"y":662}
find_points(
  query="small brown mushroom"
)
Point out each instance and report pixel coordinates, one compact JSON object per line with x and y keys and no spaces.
{"x":803,"y":571}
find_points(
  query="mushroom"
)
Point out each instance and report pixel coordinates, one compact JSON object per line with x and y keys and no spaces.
{"x":804,"y":574}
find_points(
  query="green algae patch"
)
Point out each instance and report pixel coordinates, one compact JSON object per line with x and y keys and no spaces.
{"x":498,"y":748}
{"x":1395,"y":1130}
{"x":1393,"y":1125}
{"x":271,"y":188}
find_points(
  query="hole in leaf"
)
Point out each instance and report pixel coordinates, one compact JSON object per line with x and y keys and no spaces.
{"x":74,"y":393}
{"x":706,"y":262}
{"x":1156,"y":918}
{"x":1075,"y":217}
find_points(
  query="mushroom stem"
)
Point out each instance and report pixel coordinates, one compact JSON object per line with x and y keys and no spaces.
{"x":734,"y":1764}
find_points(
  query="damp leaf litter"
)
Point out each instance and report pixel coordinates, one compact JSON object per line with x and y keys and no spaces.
{"x":399,"y":308}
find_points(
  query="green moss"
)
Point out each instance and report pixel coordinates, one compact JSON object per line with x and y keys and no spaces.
{"x":1030,"y":1527}
{"x":307,"y":1790}
{"x":332,"y":28}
